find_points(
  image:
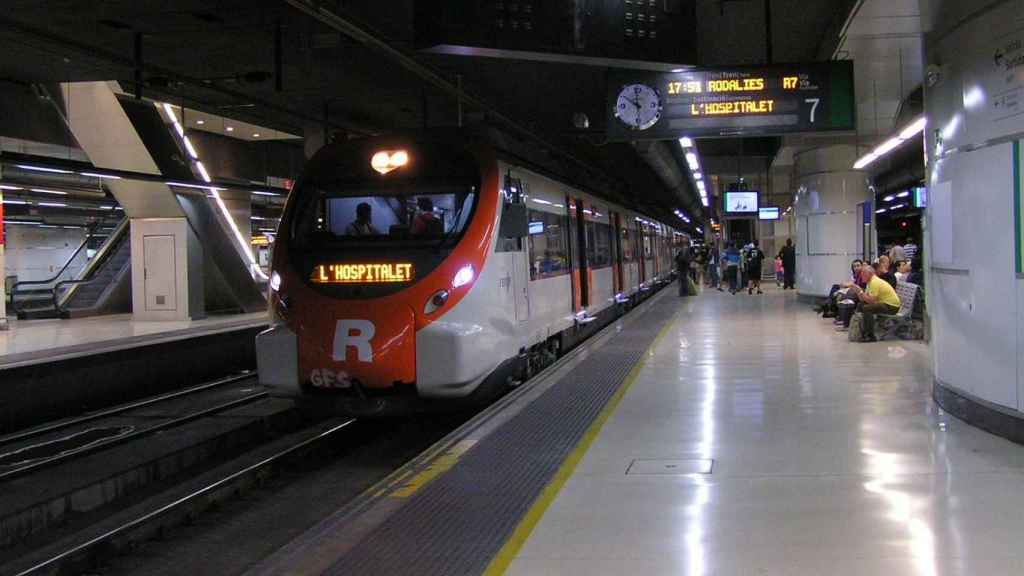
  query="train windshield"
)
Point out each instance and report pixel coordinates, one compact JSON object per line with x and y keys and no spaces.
{"x":407,"y":216}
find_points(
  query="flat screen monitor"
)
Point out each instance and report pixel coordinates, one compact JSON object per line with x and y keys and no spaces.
{"x":741,"y":202}
{"x":768,"y":213}
{"x":920,"y":197}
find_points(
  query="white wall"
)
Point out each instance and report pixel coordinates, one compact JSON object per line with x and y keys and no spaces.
{"x":35,"y":253}
{"x":975,"y":115}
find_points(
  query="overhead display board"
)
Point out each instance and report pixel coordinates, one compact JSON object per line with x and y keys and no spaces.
{"x":772,"y":100}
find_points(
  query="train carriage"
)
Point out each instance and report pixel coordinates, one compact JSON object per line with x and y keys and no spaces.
{"x":413,"y":272}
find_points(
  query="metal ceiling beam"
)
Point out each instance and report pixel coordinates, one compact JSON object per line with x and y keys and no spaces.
{"x":132,"y":64}
{"x":368,"y":39}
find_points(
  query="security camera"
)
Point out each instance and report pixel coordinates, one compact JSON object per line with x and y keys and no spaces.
{"x":933,"y":75}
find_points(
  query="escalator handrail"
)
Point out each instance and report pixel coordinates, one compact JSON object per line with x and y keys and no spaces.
{"x":15,"y":292}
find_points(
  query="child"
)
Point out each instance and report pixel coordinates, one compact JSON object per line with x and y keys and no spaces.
{"x":779,"y":271}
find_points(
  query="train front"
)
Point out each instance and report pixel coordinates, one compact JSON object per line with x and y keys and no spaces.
{"x":379,"y":239}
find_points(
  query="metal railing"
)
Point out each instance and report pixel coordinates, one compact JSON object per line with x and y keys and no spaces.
{"x":60,"y":300}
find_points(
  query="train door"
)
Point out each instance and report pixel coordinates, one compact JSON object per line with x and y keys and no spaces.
{"x":516,"y":249}
{"x":616,"y":243}
{"x":581,"y":242}
{"x":639,"y":252}
{"x":571,"y":241}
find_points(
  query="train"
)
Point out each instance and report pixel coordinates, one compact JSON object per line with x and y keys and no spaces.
{"x":433,"y":270}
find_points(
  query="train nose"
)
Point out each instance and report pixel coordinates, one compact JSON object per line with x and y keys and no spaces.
{"x":374,"y":346}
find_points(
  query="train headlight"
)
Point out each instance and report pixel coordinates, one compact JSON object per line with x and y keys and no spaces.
{"x":387,"y":160}
{"x":463,"y":276}
{"x":275,"y":281}
{"x":439,"y":299}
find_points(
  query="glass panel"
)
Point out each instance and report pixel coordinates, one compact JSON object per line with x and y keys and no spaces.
{"x":549,"y":255}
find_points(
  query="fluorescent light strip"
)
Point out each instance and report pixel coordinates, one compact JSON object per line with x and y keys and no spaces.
{"x":15,"y":202}
{"x":48,"y":191}
{"x":41,"y":169}
{"x":170,"y":112}
{"x":8,"y":187}
{"x":258,"y":193}
{"x":95,"y":175}
{"x":189,"y":148}
{"x":52,"y":204}
{"x":913,"y":129}
{"x":196,"y":186}
{"x":246,"y":248}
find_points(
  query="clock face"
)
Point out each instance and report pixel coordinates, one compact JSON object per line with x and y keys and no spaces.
{"x":638,"y":106}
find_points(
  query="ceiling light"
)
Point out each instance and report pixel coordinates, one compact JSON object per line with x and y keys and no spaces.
{"x":15,"y":202}
{"x":200,"y":122}
{"x":903,"y":194}
{"x":230,"y":128}
{"x":891,"y":144}
{"x":698,"y":176}
{"x":898,"y":206}
{"x":95,"y":175}
{"x":48,"y":191}
{"x":259,"y":193}
{"x":256,"y":135}
{"x":686,"y":142}
{"x":52,"y":204}
{"x":8,"y":187}
{"x":881,"y":210}
{"x":915,"y":128}
{"x":42,"y":169}
{"x":678,"y":70}
{"x":889,"y":198}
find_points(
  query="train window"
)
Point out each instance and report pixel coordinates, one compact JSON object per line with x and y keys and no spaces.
{"x":401,"y":216}
{"x":549,"y":254}
{"x":599,"y":247}
{"x":627,"y":246}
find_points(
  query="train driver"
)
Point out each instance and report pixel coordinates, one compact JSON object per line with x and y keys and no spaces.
{"x":363,"y":225}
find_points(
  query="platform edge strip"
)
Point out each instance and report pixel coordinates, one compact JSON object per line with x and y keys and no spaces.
{"x":503,"y":559}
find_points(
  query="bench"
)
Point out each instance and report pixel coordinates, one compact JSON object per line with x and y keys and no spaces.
{"x":902,"y":321}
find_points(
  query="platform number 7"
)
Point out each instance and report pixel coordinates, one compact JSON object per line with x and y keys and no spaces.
{"x":814,"y":106}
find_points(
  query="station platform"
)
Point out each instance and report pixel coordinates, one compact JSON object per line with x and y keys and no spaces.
{"x":719,"y":435}
{"x":52,"y":369}
{"x":35,"y":341}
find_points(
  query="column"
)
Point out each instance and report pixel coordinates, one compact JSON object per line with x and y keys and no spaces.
{"x":829,"y":217}
{"x":974,"y":266}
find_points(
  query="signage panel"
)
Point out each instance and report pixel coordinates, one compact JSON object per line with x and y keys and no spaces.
{"x":367,"y":273}
{"x":796,"y":98}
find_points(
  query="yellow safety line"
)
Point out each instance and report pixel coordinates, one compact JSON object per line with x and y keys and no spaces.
{"x":515,"y":542}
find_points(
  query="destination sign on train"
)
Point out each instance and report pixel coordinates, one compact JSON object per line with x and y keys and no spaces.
{"x":370,"y":273}
{"x":773,"y":100}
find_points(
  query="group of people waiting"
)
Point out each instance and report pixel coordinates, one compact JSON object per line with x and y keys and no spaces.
{"x":741,"y":266}
{"x":870,"y":290}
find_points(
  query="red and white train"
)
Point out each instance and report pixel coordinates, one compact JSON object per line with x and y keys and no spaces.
{"x":433,"y":270}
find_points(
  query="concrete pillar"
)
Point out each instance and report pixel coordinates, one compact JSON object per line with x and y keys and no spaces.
{"x":829,"y":217}
{"x":973,"y":261}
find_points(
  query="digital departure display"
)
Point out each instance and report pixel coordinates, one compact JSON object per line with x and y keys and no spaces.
{"x":375,"y":273}
{"x":771,"y":100}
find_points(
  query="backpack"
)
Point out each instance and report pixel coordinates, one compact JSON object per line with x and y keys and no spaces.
{"x":856,"y":332}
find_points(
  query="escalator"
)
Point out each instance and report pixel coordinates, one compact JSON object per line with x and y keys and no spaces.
{"x":102,"y":287}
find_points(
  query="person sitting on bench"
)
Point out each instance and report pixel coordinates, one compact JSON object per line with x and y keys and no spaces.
{"x":878,"y":297}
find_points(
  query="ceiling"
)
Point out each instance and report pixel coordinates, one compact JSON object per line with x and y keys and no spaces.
{"x":217,"y":58}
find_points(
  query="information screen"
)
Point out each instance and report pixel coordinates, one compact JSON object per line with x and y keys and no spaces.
{"x":375,"y":273}
{"x":741,"y":202}
{"x":816,"y":97}
{"x":768,"y":213}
